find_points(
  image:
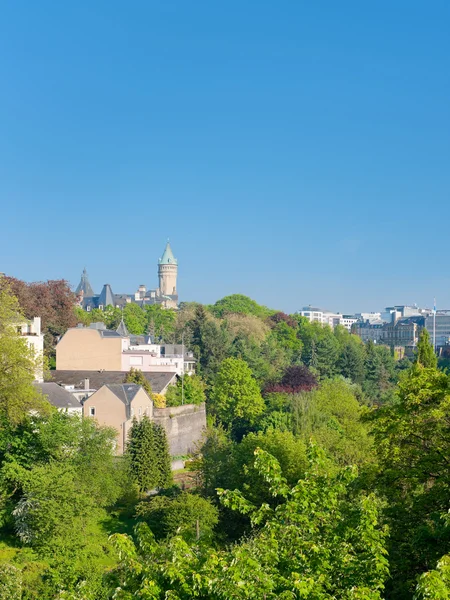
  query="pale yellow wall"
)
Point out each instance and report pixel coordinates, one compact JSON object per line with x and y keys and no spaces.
{"x":85,"y":350}
{"x":110,"y":411}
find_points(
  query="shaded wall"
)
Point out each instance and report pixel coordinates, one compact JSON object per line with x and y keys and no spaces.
{"x":184,"y":426}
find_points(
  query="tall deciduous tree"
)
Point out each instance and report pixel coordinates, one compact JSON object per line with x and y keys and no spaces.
{"x":51,"y":300}
{"x":319,"y":541}
{"x":413,"y":443}
{"x":18,"y":363}
{"x":236,"y":398}
{"x":135,"y":319}
{"x":189,"y":389}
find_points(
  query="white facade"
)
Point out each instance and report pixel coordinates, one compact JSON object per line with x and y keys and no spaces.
{"x":31,"y":331}
{"x":149,"y":358}
{"x":371,"y":317}
{"x":348,"y":321}
{"x":324,"y":317}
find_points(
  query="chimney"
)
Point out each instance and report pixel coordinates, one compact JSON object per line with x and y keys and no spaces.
{"x":86,"y":384}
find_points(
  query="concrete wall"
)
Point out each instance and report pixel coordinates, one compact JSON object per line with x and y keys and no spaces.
{"x":85,"y":349}
{"x":184,"y":426}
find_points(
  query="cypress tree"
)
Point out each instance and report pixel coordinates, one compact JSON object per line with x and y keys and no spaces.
{"x":425,"y":354}
{"x":162,"y":461}
{"x":141,"y":452}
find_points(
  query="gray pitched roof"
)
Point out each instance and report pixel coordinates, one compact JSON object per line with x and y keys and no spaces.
{"x":158,"y":380}
{"x":124,"y":391}
{"x":84,"y":285}
{"x":122,"y":329}
{"x":58,"y":396}
{"x":106,"y":297}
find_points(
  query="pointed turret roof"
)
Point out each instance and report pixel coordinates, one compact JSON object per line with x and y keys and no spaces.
{"x":84,"y":286}
{"x":106,"y":297}
{"x":122,"y":329}
{"x":168,"y":258}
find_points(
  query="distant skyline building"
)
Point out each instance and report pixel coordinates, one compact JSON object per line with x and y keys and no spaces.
{"x":166,"y":294}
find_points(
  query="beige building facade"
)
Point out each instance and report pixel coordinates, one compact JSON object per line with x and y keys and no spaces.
{"x":86,"y":348}
{"x":116,"y":405}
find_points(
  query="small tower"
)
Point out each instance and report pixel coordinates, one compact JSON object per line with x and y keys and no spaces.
{"x":167,"y":272}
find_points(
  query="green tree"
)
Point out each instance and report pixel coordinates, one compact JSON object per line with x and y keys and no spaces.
{"x":425,"y":354}
{"x":326,"y":356}
{"x":162,"y":457}
{"x":10,"y":582}
{"x":160,"y":321}
{"x":138,"y":377}
{"x":141,"y":453}
{"x":321,"y":542}
{"x":135,"y":318}
{"x":189,"y":386}
{"x":332,"y":416}
{"x":18,"y":363}
{"x":239,"y":304}
{"x":148,"y":453}
{"x":182,"y":512}
{"x":379,"y":371}
{"x":435,"y":584}
{"x":413,"y":443}
{"x":209,"y":342}
{"x":236,"y":398}
{"x":351,"y":361}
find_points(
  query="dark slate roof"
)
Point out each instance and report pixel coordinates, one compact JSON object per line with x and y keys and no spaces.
{"x":84,"y":285}
{"x":106,"y":297}
{"x":159,"y":380}
{"x":108,"y":333}
{"x":124,"y":391}
{"x":58,"y":396}
{"x":122,"y":329}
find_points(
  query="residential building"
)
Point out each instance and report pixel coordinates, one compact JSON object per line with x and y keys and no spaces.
{"x":97,"y":348}
{"x":348,"y":321}
{"x":166,"y":294}
{"x":324,"y":317}
{"x":115,"y":405}
{"x":31,"y":332}
{"x":59,"y":397}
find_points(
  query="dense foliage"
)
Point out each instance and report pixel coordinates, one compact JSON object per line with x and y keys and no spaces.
{"x":323,"y":473}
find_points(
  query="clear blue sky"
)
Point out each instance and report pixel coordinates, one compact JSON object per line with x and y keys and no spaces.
{"x":297,"y":152}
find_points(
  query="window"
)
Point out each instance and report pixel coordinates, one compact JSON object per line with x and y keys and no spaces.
{"x":100,"y":306}
{"x":135,"y":361}
{"x":92,"y":411}
{"x":132,"y":412}
{"x":88,"y":308}
{"x":140,"y":411}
